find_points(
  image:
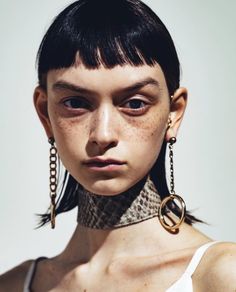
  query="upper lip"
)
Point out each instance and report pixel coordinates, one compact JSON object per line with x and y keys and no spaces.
{"x":103,"y":161}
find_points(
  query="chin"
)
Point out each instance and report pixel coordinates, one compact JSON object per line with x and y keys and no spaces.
{"x":108,"y":187}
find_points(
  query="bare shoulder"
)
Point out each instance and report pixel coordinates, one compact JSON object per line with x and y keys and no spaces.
{"x":13,"y":280}
{"x":218,"y":268}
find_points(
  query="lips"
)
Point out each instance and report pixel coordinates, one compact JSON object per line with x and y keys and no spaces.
{"x":98,"y":162}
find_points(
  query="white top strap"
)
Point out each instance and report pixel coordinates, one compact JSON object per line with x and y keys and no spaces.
{"x":197,"y":258}
{"x":184,"y":284}
{"x":30,"y":274}
{"x":29,"y":277}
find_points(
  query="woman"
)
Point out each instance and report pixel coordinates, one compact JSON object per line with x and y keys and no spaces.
{"x":110,"y":102}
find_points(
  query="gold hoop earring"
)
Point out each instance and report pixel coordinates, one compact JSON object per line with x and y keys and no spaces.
{"x":172,"y":226}
{"x":53,"y":180}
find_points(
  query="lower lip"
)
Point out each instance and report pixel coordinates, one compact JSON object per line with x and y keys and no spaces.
{"x":108,"y":167}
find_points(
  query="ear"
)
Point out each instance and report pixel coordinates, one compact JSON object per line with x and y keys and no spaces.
{"x":41,"y":106}
{"x":177,"y":108}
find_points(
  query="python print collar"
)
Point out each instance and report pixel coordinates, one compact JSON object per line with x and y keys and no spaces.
{"x":139,"y":203}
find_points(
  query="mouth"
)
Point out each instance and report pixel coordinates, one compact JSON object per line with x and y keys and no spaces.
{"x":101,"y":164}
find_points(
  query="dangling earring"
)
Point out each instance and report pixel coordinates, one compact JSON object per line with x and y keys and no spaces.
{"x":172,"y":197}
{"x":53,"y":180}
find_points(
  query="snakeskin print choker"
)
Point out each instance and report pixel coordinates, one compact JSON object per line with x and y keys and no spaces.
{"x":139,"y":203}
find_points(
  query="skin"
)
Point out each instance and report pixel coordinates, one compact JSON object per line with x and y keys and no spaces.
{"x":106,"y":126}
{"x":139,"y":257}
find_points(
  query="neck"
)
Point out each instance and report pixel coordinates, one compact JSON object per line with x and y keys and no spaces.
{"x":107,"y":228}
{"x":107,"y":231}
{"x":141,"y":202}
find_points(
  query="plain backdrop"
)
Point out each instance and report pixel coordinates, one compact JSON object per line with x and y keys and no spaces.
{"x":205,"y":38}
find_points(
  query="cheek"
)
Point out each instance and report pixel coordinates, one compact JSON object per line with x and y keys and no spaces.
{"x":68,"y":128}
{"x":150,"y":130}
{"x":70,"y":138}
{"x":145,"y":141}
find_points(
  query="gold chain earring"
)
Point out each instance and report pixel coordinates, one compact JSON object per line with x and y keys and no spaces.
{"x":169,"y":123}
{"x":171,"y":225}
{"x":53,"y":180}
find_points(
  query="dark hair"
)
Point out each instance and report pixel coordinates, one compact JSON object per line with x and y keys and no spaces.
{"x":109,"y":33}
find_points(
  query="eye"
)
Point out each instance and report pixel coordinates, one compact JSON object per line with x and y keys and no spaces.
{"x":76,"y":103}
{"x":135,"y":104}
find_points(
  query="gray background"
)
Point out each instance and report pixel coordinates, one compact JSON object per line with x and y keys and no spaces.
{"x":204,"y":34}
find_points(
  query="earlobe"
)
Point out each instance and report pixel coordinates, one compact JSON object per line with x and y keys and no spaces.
{"x":177,"y":108}
{"x":41,"y":106}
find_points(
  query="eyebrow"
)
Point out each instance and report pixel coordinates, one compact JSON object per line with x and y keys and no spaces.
{"x":64,"y":85}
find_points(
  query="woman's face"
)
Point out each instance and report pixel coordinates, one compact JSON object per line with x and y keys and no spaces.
{"x":108,"y":124}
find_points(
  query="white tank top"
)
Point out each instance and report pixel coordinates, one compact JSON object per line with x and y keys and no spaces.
{"x":184,"y":284}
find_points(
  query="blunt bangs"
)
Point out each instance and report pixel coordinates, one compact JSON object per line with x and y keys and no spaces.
{"x":108,"y":33}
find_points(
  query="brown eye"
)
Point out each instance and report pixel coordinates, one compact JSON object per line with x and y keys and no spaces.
{"x":135,"y":104}
{"x":135,"y":107}
{"x":76,"y":103}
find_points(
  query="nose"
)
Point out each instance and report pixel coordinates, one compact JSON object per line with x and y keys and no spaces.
{"x":103,"y":132}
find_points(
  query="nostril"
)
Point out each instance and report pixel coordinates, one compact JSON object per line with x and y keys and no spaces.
{"x":103,"y":143}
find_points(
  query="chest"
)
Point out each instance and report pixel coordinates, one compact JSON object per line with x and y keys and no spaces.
{"x":126,"y":277}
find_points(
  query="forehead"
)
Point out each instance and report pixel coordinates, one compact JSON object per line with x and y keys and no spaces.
{"x":105,"y":78}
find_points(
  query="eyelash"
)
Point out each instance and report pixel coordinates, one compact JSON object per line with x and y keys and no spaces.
{"x":85,"y":104}
{"x":138,"y":110}
{"x":81,"y":104}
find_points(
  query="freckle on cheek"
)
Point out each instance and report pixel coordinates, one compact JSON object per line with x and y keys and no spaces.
{"x":65,"y":126}
{"x":144,"y":129}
